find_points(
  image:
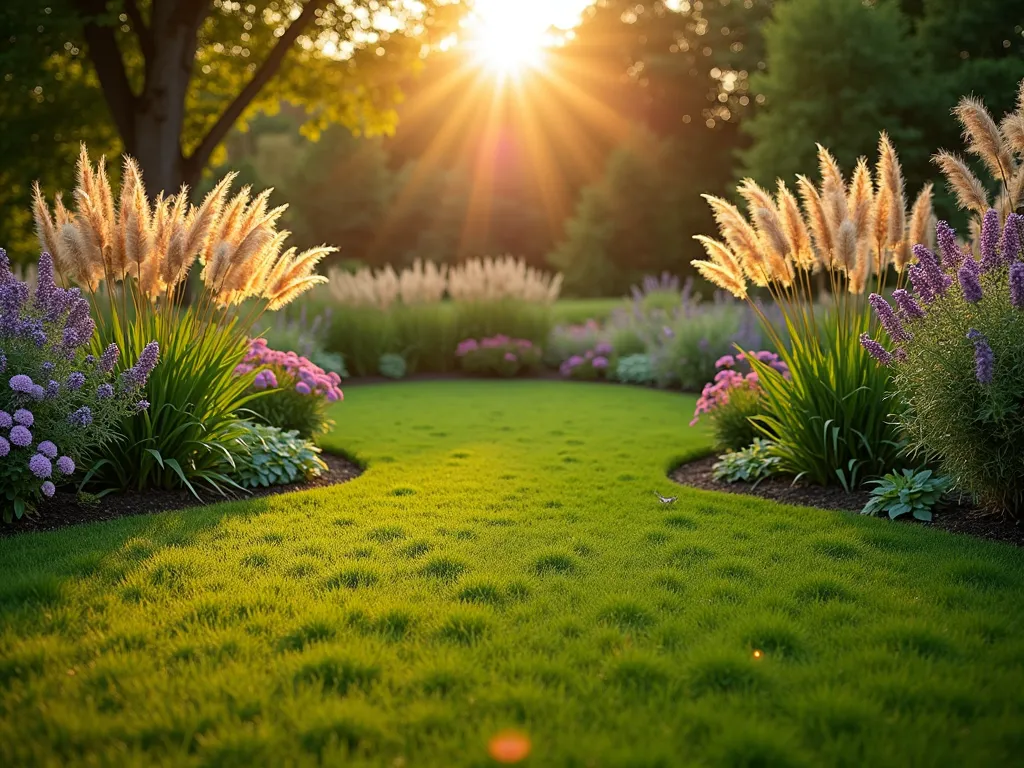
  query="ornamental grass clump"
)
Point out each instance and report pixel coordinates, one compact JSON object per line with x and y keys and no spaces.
{"x":830,"y":420}
{"x":132,"y":258}
{"x":297,"y":393}
{"x":59,"y":405}
{"x":956,"y":338}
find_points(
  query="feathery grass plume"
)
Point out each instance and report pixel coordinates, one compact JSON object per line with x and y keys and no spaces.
{"x":846,"y":247}
{"x":983,"y":138}
{"x":742,"y":239}
{"x":721,"y":277}
{"x":46,"y":231}
{"x":922,"y":226}
{"x":796,"y":229}
{"x":1015,"y":192}
{"x":775,"y":244}
{"x":831,"y":174}
{"x":423,"y":283}
{"x":882,"y":227}
{"x":859,"y":202}
{"x":503,"y":277}
{"x":754,"y":195}
{"x":1011,"y":129}
{"x":969,"y":191}
{"x":297,"y":276}
{"x":890,"y":174}
{"x":817,"y":221}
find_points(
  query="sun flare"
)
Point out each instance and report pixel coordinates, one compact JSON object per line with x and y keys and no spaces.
{"x":509,"y":37}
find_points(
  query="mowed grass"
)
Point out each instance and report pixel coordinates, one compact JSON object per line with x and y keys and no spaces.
{"x":503,"y":564}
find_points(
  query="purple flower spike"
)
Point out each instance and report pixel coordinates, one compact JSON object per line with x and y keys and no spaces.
{"x":135,"y":377}
{"x":989,"y":240}
{"x":876,"y":350}
{"x":931,"y":272}
{"x":1013,"y":234}
{"x":888,"y":318}
{"x":48,"y":489}
{"x":21,"y":437}
{"x":75,"y":380}
{"x":48,"y":449}
{"x":104,"y":391}
{"x":82,"y":417}
{"x":905,"y":303}
{"x":945,"y":235}
{"x":109,"y":358}
{"x":5,"y":447}
{"x":969,"y":283}
{"x":1017,"y":284}
{"x":984,"y":358}
{"x":46,"y":288}
{"x":40,"y":466}
{"x":922,"y":285}
{"x":52,"y":389}
{"x":66,"y":465}
{"x":142,"y":405}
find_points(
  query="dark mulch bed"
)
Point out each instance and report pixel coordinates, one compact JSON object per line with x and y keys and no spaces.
{"x":65,"y":509}
{"x":950,"y":516}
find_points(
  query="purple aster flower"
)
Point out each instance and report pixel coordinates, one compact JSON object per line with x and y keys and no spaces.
{"x":6,"y":422}
{"x":989,"y":240}
{"x":24,"y":417}
{"x":66,"y":465}
{"x":75,"y":380}
{"x":905,"y":303}
{"x":52,"y":389}
{"x":48,"y":489}
{"x":984,"y":358}
{"x":20,"y":436}
{"x":38,"y":393}
{"x":1013,"y":233}
{"x":302,"y":388}
{"x":46,"y":367}
{"x":21,"y":383}
{"x":952,"y":255}
{"x":82,"y":417}
{"x":105,"y":391}
{"x":600,"y":362}
{"x":877,"y":351}
{"x":45,"y":285}
{"x":142,"y":405}
{"x":969,"y":282}
{"x":40,"y":466}
{"x":135,"y":377}
{"x":89,"y":359}
{"x":1017,"y":284}
{"x":5,"y":447}
{"x":888,"y":318}
{"x":109,"y":358}
{"x":48,"y":449}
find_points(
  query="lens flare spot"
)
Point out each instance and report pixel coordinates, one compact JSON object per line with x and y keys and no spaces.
{"x":509,"y":747}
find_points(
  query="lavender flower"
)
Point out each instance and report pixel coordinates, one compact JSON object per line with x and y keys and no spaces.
{"x":929,"y":282}
{"x":5,"y":447}
{"x":52,"y":389}
{"x":104,"y":391}
{"x":989,"y":240}
{"x":20,"y":436}
{"x":75,"y":380}
{"x":38,"y":393}
{"x":888,"y":318}
{"x":1017,"y":284}
{"x":21,"y":383}
{"x":82,"y":417}
{"x":45,"y":285}
{"x":142,"y":405}
{"x":48,"y":489}
{"x":302,"y":388}
{"x":89,"y":360}
{"x":1009,"y":245}
{"x":109,"y":358}
{"x":984,"y":357}
{"x":40,"y":466}
{"x":3,"y":362}
{"x":952,"y":255}
{"x":24,"y":417}
{"x":46,"y":367}
{"x":135,"y":377}
{"x":66,"y":465}
{"x":909,"y":308}
{"x":876,"y":350}
{"x":48,"y":449}
{"x":6,"y":422}
{"x":969,"y":282}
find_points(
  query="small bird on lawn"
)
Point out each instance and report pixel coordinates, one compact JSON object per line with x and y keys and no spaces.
{"x":665,"y":499}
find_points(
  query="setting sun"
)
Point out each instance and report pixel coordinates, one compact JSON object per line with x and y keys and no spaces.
{"x":510,"y":36}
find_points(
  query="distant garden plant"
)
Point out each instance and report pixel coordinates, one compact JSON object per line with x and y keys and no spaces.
{"x":748,"y":465}
{"x":133,"y":259}
{"x":58,"y":404}
{"x":297,"y":393}
{"x":830,"y":418}
{"x":498,"y":356}
{"x":392,"y":366}
{"x":914,"y":493}
{"x":593,"y":364}
{"x":272,"y":456}
{"x":634,"y":369}
{"x":956,"y":341}
{"x":733,"y":399}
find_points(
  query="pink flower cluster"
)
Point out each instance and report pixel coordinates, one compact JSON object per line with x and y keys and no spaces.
{"x":596,"y":358}
{"x":492,"y":342}
{"x":309,"y":379}
{"x":716,"y":393}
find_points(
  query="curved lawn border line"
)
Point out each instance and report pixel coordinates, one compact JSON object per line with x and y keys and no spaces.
{"x":68,"y":509}
{"x":964,"y":519}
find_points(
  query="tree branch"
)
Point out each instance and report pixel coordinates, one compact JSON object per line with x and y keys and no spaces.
{"x":106,"y":58}
{"x":270,"y":66}
{"x":144,"y":33}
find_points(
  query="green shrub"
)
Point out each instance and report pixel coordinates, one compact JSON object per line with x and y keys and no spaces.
{"x":426,"y":334}
{"x":307,"y":337}
{"x":749,"y":465}
{"x":596,"y":363}
{"x":266,"y":456}
{"x":564,"y":341}
{"x":732,"y":421}
{"x":361,"y":335}
{"x":508,"y":317}
{"x":498,"y":356}
{"x":392,"y":366}
{"x":912,"y":493}
{"x":634,"y":369}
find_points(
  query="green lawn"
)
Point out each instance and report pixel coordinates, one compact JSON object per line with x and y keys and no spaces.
{"x":503,"y":563}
